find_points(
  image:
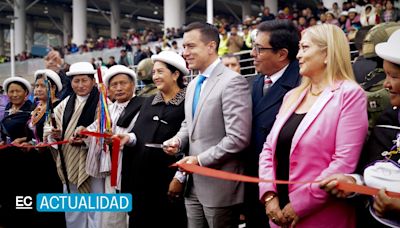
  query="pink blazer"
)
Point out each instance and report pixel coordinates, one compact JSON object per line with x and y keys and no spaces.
{"x":328,"y":140}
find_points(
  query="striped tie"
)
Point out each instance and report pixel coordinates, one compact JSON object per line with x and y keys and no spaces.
{"x":267,"y":84}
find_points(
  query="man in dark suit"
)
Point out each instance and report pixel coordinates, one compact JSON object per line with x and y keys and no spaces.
{"x":274,"y":51}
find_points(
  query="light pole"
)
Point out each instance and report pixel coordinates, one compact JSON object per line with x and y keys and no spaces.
{"x":12,"y":43}
{"x":210,"y":11}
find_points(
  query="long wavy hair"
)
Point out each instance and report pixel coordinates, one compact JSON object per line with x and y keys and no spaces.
{"x":338,"y":66}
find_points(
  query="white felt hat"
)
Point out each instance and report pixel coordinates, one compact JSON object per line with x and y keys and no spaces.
{"x":81,"y":68}
{"x":352,"y":10}
{"x":173,"y":59}
{"x":119,"y":69}
{"x":344,"y":13}
{"x":10,"y":80}
{"x":390,"y":50}
{"x":52,"y":75}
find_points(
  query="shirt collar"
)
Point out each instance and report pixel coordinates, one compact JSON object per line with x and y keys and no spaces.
{"x":82,"y":98}
{"x":177,"y":100}
{"x":124,"y":104}
{"x":207,"y":72}
{"x":275,"y":77}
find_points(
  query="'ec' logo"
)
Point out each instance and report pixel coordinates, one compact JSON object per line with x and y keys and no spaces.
{"x":23,"y":202}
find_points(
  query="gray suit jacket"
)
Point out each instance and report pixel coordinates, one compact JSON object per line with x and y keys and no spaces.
{"x":220,"y":129}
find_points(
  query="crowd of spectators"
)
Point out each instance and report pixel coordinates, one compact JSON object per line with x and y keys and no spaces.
{"x":128,"y":40}
{"x":20,"y":57}
{"x":350,"y":17}
{"x":235,"y":36}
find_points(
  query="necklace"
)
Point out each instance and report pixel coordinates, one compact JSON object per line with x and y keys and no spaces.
{"x":315,"y":94}
{"x":14,"y":109}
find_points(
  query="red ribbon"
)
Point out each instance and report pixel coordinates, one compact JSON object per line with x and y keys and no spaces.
{"x":116,"y":142}
{"x":114,"y":161}
{"x":35,"y":146}
{"x":4,"y":146}
{"x":42,"y":145}
{"x":95,"y":134}
{"x":99,"y":75}
{"x":204,"y":171}
{"x":361,"y":189}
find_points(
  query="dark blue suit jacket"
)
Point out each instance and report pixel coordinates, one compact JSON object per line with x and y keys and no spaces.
{"x":265,"y":108}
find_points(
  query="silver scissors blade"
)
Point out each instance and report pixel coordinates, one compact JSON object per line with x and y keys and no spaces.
{"x":154,"y":145}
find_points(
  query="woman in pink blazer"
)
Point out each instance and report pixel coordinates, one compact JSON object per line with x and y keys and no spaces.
{"x":319,"y":131}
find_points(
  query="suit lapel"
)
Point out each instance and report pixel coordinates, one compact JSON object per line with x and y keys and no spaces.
{"x":189,"y":97}
{"x":310,"y":116}
{"x":211,"y":82}
{"x":324,"y":98}
{"x":274,"y":94}
{"x":257,"y":89}
{"x":282,"y":120}
{"x":288,"y":81}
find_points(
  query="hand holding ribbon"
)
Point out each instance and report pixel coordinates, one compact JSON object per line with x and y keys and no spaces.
{"x":347,"y":187}
{"x":115,"y":152}
{"x":116,"y":142}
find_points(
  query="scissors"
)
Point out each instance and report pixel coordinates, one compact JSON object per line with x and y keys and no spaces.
{"x":155,"y":145}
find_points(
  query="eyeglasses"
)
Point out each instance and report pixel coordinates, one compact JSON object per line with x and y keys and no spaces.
{"x":261,"y":49}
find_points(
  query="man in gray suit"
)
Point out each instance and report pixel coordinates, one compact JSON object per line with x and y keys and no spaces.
{"x":217,"y":127}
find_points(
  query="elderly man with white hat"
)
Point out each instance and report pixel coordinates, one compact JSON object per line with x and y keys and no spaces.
{"x":121,"y":82}
{"x":78,"y":109}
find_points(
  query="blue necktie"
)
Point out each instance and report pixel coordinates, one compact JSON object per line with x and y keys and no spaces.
{"x":197,"y":90}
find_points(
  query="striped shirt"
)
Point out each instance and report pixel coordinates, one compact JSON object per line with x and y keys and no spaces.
{"x":75,"y":156}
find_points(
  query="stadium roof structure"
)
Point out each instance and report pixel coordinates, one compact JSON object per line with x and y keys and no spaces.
{"x":47,"y":14}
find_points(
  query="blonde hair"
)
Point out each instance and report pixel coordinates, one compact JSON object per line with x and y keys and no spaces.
{"x":338,"y":63}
